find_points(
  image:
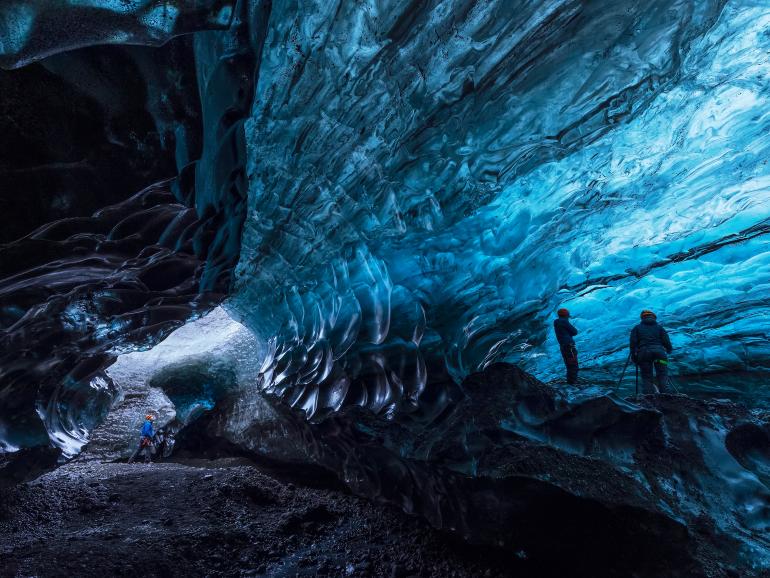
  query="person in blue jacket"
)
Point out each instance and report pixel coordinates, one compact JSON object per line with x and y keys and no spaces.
{"x":145,"y":440}
{"x":565,"y":333}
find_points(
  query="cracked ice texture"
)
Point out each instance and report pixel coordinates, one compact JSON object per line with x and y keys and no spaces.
{"x":429,"y":181}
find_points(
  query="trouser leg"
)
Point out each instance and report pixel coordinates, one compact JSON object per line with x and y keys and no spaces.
{"x":661,"y":375}
{"x":572,"y":374}
{"x":645,"y":368}
{"x":569,"y":354}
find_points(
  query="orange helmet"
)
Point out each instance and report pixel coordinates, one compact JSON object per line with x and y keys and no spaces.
{"x":562,"y":312}
{"x":648,"y":313}
{"x":149,"y":417}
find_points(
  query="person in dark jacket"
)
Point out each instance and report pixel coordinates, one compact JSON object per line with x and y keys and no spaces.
{"x":650,"y":346}
{"x":565,"y":333}
{"x":163,"y":442}
{"x":145,"y":440}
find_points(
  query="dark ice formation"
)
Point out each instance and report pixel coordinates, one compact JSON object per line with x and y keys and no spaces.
{"x":34,"y":29}
{"x":79,"y":291}
{"x":71,"y":123}
{"x":666,"y":486}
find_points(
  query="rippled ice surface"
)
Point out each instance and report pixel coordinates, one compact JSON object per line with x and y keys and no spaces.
{"x":426,"y":184}
{"x":429,"y":184}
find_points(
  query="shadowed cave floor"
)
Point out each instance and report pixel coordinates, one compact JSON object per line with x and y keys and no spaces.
{"x":225,"y":517}
{"x":238,"y":513}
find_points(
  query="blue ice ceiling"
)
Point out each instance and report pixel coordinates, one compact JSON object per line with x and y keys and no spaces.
{"x":433,"y":183}
{"x":427,"y":182}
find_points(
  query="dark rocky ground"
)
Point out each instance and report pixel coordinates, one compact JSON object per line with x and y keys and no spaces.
{"x":664,"y":486}
{"x":224,"y":517}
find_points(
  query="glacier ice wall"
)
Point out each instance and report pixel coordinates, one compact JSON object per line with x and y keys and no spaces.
{"x":426,"y":183}
{"x":429,"y":181}
{"x":81,"y":289}
{"x":77,"y":292}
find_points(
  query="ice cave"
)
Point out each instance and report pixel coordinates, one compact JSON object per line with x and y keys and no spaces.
{"x":322,"y":248}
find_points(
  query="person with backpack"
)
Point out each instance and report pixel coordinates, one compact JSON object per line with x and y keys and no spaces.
{"x":163,"y":442}
{"x":650,"y":346}
{"x":565,"y":333}
{"x":145,"y":440}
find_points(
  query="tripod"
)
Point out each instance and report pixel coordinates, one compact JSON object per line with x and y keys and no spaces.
{"x":623,"y":374}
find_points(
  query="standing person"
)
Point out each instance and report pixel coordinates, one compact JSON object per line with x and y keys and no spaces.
{"x":163,"y":442}
{"x":565,"y":333}
{"x":145,"y":440}
{"x":650,"y":346}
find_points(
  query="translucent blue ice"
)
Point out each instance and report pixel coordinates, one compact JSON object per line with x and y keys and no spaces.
{"x":428,"y":185}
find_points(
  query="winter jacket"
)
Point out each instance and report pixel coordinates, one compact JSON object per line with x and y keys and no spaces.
{"x":649,"y":339}
{"x":564,"y":331}
{"x":147,"y":431}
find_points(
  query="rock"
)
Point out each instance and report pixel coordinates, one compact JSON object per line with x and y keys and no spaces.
{"x":27,"y":464}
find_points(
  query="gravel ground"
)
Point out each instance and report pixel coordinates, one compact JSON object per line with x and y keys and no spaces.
{"x":219,"y":518}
